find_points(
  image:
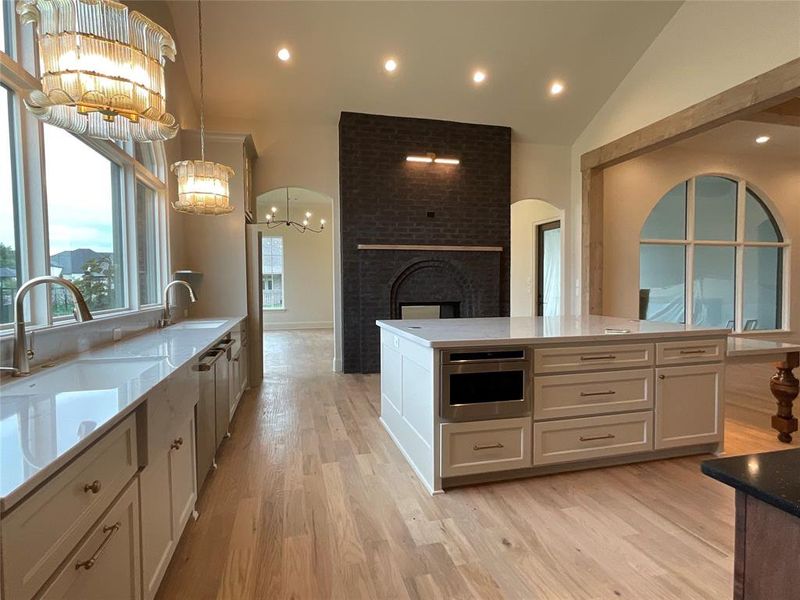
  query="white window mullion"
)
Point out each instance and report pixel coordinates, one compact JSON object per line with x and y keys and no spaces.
{"x":690,"y":212}
{"x":738,"y":299}
{"x":130,"y":249}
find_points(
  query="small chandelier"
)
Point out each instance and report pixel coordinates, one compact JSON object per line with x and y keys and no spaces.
{"x":202,"y":184}
{"x":102,"y":69}
{"x":302,"y":227}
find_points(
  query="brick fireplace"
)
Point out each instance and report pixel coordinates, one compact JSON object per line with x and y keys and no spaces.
{"x":420,"y":234}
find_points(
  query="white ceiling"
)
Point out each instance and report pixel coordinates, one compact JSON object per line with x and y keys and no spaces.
{"x":339,"y":48}
{"x":738,"y":138}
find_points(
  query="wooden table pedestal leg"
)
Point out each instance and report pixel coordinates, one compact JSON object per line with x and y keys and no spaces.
{"x":785,"y":387}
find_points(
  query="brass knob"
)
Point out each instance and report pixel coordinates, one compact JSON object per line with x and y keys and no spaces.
{"x":93,"y":487}
{"x":176,"y":444}
{"x":662,"y":376}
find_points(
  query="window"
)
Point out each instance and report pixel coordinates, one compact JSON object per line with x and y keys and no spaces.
{"x":91,"y":211}
{"x":711,"y":249}
{"x":84,"y":216}
{"x":272,"y":272}
{"x":147,"y":244}
{"x":10,"y":268}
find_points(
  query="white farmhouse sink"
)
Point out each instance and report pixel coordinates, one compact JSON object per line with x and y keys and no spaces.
{"x":198,"y":324}
{"x":83,"y":375}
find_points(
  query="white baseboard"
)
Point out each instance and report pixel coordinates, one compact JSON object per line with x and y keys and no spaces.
{"x":273,"y":326}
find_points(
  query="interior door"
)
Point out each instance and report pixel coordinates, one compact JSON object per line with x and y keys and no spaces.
{"x":548,"y":269}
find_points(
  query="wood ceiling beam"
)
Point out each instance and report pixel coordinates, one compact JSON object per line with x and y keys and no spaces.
{"x":754,"y":95}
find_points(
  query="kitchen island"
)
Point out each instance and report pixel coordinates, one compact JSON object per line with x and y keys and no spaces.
{"x":477,"y":400}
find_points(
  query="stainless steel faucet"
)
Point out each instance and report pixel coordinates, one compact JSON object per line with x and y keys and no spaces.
{"x":22,"y":355}
{"x":165,"y":319}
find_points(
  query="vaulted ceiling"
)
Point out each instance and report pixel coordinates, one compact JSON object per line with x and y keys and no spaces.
{"x":338,"y":50}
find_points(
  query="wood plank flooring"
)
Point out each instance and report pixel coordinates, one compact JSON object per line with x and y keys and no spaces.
{"x":312,"y":500}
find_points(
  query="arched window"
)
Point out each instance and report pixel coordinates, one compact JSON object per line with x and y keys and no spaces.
{"x":711,"y":253}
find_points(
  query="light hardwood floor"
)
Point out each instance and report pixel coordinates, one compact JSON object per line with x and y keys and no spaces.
{"x":312,"y":500}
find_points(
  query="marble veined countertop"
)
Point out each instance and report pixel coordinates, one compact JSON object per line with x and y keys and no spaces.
{"x":48,"y":418}
{"x":747,"y":346}
{"x":445,"y":333}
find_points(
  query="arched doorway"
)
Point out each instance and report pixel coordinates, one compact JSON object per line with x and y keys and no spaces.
{"x":537,"y":259}
{"x":297,"y":266}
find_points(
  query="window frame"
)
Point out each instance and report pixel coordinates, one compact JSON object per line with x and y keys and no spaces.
{"x":31,"y":193}
{"x":282,"y":307}
{"x":739,"y":244}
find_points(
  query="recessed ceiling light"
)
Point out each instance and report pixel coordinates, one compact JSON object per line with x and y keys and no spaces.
{"x":390,"y":65}
{"x":479,"y":76}
{"x":556,"y":88}
{"x":284,"y":54}
{"x":762,"y":139}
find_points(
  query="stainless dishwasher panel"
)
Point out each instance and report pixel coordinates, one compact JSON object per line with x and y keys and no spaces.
{"x":205,"y":417}
{"x":222,"y":406}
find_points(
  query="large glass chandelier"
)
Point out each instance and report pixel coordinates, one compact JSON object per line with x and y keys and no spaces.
{"x":202,"y":185}
{"x":102,"y":69}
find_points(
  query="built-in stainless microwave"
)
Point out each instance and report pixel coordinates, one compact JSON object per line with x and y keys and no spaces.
{"x":485,"y":383}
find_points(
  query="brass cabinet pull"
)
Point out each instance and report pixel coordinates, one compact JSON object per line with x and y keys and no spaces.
{"x":607,"y":393}
{"x":109,"y":530}
{"x":487,"y":446}
{"x":599,"y":357}
{"x":608,"y":436}
{"x":698,"y":351}
{"x":176,"y":444}
{"x":93,"y":487}
{"x":662,"y":376}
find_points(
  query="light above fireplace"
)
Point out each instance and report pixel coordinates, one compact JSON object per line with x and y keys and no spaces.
{"x":430,"y":157}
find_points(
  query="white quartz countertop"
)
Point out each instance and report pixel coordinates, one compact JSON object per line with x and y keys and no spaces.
{"x":445,"y":333}
{"x":51,"y":416}
{"x":745,"y":346}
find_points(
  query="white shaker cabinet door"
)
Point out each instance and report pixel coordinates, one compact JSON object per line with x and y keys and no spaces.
{"x":158,"y":538}
{"x":183,"y":485}
{"x":688,"y":405}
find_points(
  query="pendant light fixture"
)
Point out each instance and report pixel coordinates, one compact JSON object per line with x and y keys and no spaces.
{"x":301,"y":226}
{"x":202,"y":184}
{"x":102,"y":69}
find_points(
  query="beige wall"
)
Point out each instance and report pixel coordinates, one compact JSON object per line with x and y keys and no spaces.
{"x":308,"y":275}
{"x":215,"y":245}
{"x":524,"y":215}
{"x":634,"y":187}
{"x":706,"y":48}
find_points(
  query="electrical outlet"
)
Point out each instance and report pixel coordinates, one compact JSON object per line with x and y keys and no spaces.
{"x":116,"y":334}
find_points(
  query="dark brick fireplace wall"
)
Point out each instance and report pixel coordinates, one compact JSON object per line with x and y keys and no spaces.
{"x":387,"y":200}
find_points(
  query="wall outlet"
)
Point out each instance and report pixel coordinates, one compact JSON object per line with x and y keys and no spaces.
{"x":116,"y":334}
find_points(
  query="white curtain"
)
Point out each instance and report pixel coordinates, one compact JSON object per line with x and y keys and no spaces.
{"x":551,"y":292}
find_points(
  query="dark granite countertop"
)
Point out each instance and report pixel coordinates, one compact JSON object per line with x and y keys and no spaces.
{"x":773,"y":477}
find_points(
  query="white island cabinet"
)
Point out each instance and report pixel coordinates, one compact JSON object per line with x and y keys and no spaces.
{"x":476,"y":400}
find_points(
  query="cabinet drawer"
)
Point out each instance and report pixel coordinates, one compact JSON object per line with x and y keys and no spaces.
{"x":106,"y":564}
{"x":485,"y":446}
{"x":563,"y":396}
{"x":44,"y":529}
{"x":589,"y":358}
{"x":592,"y":437}
{"x":690,"y":351}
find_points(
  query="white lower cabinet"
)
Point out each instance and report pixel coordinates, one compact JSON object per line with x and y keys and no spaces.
{"x":485,"y":446}
{"x":168,"y":495}
{"x":688,"y":406}
{"x":106,"y":565}
{"x":570,"y":440}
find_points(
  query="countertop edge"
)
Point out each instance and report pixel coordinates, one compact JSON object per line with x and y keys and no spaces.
{"x":610,"y":338}
{"x":736,"y":483}
{"x":42,"y":476}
